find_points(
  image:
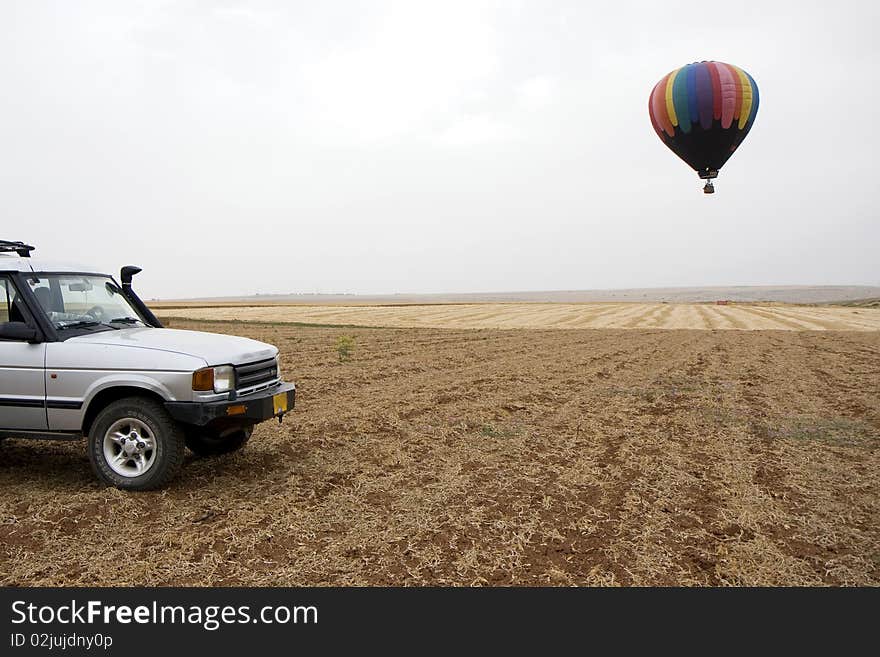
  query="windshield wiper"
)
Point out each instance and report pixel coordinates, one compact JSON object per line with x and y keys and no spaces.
{"x":125,"y":320}
{"x":80,"y":324}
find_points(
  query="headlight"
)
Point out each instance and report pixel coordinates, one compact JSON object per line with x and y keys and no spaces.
{"x":224,"y":378}
{"x":218,"y":379}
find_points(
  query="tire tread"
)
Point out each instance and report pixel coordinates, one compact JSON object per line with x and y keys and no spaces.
{"x":171,"y":451}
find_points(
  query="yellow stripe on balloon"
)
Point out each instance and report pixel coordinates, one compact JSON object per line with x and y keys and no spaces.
{"x":670,"y":106}
{"x":746,"y":109}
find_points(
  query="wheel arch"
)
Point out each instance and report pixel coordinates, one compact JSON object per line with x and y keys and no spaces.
{"x":107,"y":396}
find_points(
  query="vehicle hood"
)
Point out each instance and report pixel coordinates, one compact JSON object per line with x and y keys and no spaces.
{"x":215,"y":349}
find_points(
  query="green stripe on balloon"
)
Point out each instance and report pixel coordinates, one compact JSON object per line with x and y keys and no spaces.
{"x":680,"y":100}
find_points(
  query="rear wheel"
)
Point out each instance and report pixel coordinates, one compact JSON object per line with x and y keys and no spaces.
{"x":134,"y":444}
{"x":211,"y":443}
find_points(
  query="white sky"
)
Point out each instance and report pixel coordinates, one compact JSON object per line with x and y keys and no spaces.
{"x":240,"y":147}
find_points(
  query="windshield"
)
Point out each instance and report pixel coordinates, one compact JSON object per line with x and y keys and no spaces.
{"x":82,"y":301}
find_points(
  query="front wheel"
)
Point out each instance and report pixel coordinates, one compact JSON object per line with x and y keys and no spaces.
{"x":134,"y":444}
{"x":212,"y":443}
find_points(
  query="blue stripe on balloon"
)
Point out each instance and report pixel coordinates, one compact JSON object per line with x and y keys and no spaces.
{"x":755,"y":102}
{"x":704,"y":95}
{"x":693,"y":110}
{"x":680,"y":100}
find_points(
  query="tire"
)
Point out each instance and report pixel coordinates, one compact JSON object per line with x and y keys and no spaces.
{"x":211,"y":444}
{"x":141,"y":428}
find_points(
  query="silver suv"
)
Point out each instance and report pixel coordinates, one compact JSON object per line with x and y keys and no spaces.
{"x":82,"y":355}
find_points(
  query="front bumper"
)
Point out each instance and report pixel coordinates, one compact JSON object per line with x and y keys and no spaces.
{"x":252,"y":409}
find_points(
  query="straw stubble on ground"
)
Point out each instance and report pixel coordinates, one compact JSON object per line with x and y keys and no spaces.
{"x":740,"y":316}
{"x":521,"y":457}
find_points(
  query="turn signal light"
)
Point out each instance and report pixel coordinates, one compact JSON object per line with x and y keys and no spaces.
{"x":203,"y":380}
{"x":238,"y":409}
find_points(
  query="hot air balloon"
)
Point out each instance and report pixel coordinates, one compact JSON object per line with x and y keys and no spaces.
{"x":702,"y":112}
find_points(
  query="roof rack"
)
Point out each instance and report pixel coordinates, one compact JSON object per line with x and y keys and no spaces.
{"x":22,"y":249}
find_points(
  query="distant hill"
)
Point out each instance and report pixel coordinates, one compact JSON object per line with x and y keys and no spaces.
{"x":808,"y":294}
{"x":861,"y":303}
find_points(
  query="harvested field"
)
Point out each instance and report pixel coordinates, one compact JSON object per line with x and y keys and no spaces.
{"x":549,"y":315}
{"x":497,"y":457}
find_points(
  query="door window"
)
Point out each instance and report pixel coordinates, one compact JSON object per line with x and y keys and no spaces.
{"x":5,"y":302}
{"x":11,"y":304}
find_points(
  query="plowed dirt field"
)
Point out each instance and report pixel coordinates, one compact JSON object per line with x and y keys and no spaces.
{"x":516,"y":457}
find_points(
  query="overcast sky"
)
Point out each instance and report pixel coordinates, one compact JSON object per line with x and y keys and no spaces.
{"x":377,"y":147}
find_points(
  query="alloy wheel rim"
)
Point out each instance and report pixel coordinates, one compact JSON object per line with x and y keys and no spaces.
{"x":129,"y":447}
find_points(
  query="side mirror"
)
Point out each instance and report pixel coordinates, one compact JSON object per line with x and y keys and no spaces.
{"x":127,"y":273}
{"x":17,"y":331}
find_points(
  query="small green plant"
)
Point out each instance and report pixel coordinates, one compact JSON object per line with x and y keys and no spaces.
{"x":344,"y":347}
{"x":492,"y":431}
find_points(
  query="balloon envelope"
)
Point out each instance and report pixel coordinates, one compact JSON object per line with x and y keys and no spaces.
{"x":703,"y":111}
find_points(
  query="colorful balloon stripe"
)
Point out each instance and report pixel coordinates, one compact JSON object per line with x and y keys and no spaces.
{"x":753,"y":112}
{"x":671,"y":118}
{"x":703,"y":94}
{"x":700,"y":93}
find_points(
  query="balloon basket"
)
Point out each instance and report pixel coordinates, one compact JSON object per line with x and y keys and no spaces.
{"x":708,"y":175}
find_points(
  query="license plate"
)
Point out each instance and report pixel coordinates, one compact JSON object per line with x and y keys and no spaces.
{"x":279,"y":402}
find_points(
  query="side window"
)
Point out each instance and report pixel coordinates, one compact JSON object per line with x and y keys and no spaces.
{"x":5,"y":302}
{"x":11,"y":305}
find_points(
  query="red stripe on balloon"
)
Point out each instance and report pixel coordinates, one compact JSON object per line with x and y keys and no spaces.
{"x":659,"y":113}
{"x":654,"y":123}
{"x":737,"y":108}
{"x":728,"y":94}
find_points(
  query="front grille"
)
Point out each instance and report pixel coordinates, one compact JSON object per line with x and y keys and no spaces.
{"x":253,"y":374}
